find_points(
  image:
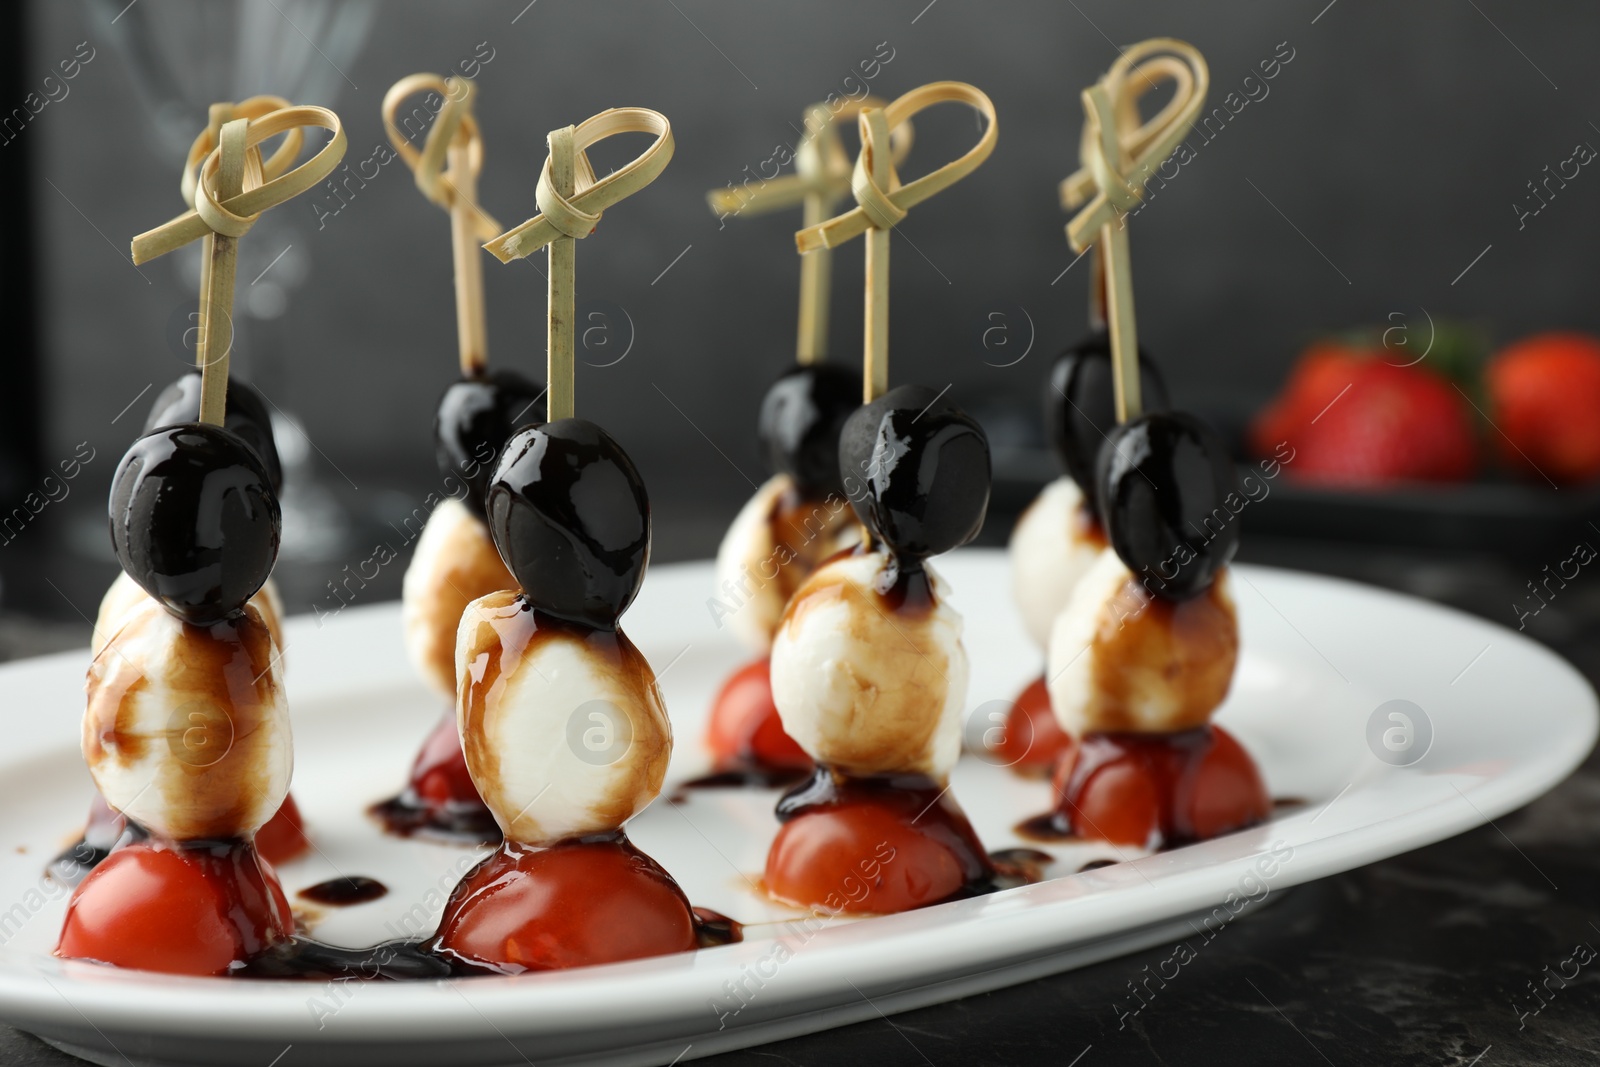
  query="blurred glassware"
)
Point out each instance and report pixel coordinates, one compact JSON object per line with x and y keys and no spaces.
{"x":184,"y":55}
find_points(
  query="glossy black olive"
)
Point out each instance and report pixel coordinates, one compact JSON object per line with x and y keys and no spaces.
{"x":917,"y":471}
{"x":194,"y":520}
{"x":802,"y":416}
{"x":475,"y":417}
{"x":1080,"y":407}
{"x":1170,"y":502}
{"x":569,"y":514}
{"x":247,"y":417}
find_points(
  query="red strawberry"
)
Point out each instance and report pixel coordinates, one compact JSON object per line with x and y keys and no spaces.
{"x":1321,"y":374}
{"x":1546,"y":395}
{"x":1394,"y":424}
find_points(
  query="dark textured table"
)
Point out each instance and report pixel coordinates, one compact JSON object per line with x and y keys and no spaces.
{"x":1430,"y":958}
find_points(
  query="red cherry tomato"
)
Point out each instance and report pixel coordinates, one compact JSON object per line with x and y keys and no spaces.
{"x":1032,"y":741}
{"x":1121,"y":802}
{"x":439,"y":776}
{"x":1227,"y":792}
{"x":284,"y":836}
{"x":745,"y":727}
{"x":576,"y":904}
{"x":1149,"y":790}
{"x":864,"y":858}
{"x":157,"y":906}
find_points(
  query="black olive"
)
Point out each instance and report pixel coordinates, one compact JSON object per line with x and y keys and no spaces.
{"x":569,"y":514}
{"x":247,"y":417}
{"x":802,"y":416}
{"x":1080,"y":407}
{"x":475,"y":417}
{"x":1170,"y":501}
{"x":194,"y":520}
{"x":917,"y":471}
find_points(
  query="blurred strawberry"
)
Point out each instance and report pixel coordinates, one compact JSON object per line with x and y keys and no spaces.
{"x":1395,"y":424}
{"x":1320,"y":375}
{"x":1545,"y":392}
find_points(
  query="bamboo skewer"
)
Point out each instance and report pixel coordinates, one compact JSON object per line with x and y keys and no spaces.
{"x":821,"y":179}
{"x":882,"y":202}
{"x":204,"y":144}
{"x":446,"y":172}
{"x":221,"y":258}
{"x":880,"y":174}
{"x":571,"y":202}
{"x":232,"y":187}
{"x":1118,"y":157}
{"x":562,"y":298}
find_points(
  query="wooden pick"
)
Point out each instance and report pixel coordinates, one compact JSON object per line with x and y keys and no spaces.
{"x":446,"y":172}
{"x":821,"y":179}
{"x":882,"y":202}
{"x":1118,"y":157}
{"x":203,"y":145}
{"x":571,"y":202}
{"x":217,"y":280}
{"x":562,"y":297}
{"x":232,"y":189}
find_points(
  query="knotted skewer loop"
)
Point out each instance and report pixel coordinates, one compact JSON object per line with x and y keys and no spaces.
{"x":571,"y":203}
{"x":882,"y":202}
{"x":453,"y":139}
{"x":821,"y":179}
{"x":232,"y":190}
{"x":1118,"y":156}
{"x":256,"y":107}
{"x":207,"y":141}
{"x":878,"y":204}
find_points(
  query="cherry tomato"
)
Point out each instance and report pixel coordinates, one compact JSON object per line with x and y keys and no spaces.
{"x":864,"y":858}
{"x":284,"y":837}
{"x":1227,"y":792}
{"x":745,"y":727}
{"x":1150,"y":790}
{"x":439,"y":776}
{"x":576,"y":904}
{"x":157,"y":906}
{"x":1033,"y":741}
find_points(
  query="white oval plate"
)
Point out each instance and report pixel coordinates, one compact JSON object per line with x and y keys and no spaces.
{"x":1508,"y":718}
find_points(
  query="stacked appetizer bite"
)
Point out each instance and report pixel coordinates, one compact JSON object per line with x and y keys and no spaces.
{"x":800,"y":516}
{"x":868,"y":671}
{"x":186,"y":731}
{"x":455,"y":561}
{"x":1144,"y":651}
{"x":247,"y":417}
{"x":561,"y":721}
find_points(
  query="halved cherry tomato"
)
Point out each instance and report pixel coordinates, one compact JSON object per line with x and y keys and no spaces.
{"x":1033,"y":741}
{"x":576,"y":904}
{"x":745,"y":726}
{"x":158,"y":906}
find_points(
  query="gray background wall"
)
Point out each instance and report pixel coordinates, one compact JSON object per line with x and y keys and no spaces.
{"x":1386,"y":157}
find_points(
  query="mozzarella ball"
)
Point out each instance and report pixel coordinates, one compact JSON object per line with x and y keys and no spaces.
{"x":454,"y":564}
{"x":126,"y":594}
{"x":563,"y":727}
{"x":776,"y":541}
{"x":1122,"y":659}
{"x":863,"y":686}
{"x":1054,"y":544}
{"x":186,"y":730}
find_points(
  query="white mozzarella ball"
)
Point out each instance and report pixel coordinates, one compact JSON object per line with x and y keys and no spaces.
{"x":454,"y":564}
{"x":1122,"y":659}
{"x":864,"y":687}
{"x":776,"y":541}
{"x":1054,"y":544}
{"x":186,"y":729}
{"x":126,"y":594}
{"x":564,"y":730}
